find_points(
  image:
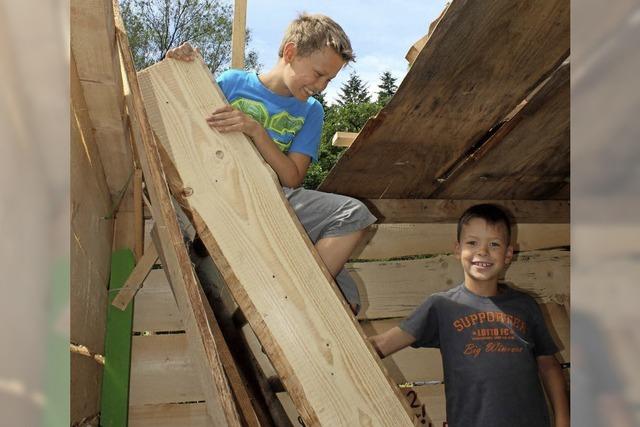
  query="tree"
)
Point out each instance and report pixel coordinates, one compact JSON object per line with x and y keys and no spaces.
{"x":387,"y":88}
{"x":353,"y":91}
{"x":348,"y":118}
{"x":155,"y":26}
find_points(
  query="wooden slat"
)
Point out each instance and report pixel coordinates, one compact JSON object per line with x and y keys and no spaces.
{"x":155,"y":306}
{"x":343,"y":139}
{"x":391,"y":211}
{"x":138,"y":224}
{"x":238,"y":33}
{"x":466,"y":79}
{"x":201,"y":343}
{"x":332,"y":374}
{"x":162,"y":371}
{"x":514,"y":162}
{"x":169,"y":415}
{"x":93,"y":44}
{"x":397,"y":240}
{"x":134,"y":281}
{"x":394,"y":289}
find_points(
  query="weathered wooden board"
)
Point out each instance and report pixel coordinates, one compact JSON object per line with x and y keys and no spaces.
{"x":274,"y":274}
{"x":155,"y":308}
{"x":176,"y":259}
{"x":162,"y":371}
{"x":93,"y":44}
{"x":482,"y":59}
{"x":448,"y":210}
{"x":91,"y":237}
{"x":531,"y":160}
{"x":396,"y":288}
{"x":169,"y":415}
{"x":397,"y":240}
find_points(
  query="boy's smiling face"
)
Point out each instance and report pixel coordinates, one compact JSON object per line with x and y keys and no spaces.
{"x":306,"y":75}
{"x":483,"y":250}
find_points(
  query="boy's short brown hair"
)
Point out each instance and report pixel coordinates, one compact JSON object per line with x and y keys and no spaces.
{"x":313,"y":32}
{"x":492,"y":214}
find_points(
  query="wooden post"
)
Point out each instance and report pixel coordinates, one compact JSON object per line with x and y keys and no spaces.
{"x":238,"y":34}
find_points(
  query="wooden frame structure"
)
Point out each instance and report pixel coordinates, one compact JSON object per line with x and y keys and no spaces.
{"x":486,"y":124}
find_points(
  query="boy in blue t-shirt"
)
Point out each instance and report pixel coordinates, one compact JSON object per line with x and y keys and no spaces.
{"x":277,"y":112}
{"x":494,"y":343}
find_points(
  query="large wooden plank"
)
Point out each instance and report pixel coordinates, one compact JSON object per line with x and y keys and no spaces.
{"x":394,"y":289}
{"x":202,"y":346}
{"x":93,"y":44}
{"x":398,"y":240}
{"x":518,"y":163}
{"x":316,"y":346}
{"x":393,"y":211}
{"x":482,"y":59}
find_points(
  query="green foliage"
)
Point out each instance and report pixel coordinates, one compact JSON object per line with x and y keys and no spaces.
{"x":387,"y":88}
{"x":155,"y":26}
{"x":353,"y":91}
{"x":344,"y":118}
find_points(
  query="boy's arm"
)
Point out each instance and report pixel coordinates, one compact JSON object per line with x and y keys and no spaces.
{"x":290,"y":168}
{"x":391,"y":341}
{"x":555,"y":386}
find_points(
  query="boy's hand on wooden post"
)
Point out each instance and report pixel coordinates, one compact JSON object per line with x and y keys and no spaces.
{"x":184,"y":52}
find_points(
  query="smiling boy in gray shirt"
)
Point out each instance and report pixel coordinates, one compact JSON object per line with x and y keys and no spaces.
{"x":494,"y":343}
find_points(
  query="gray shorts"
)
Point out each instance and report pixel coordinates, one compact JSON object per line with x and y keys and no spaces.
{"x":327,"y":215}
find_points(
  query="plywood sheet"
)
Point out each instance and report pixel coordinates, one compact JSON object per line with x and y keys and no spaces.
{"x":240,"y":212}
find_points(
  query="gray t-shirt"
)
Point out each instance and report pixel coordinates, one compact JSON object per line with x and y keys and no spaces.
{"x":489,"y":347}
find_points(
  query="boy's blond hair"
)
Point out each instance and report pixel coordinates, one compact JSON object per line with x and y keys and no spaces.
{"x":313,"y":32}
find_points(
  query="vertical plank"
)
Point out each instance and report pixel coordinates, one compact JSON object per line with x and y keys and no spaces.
{"x":115,"y":381}
{"x":238,"y":33}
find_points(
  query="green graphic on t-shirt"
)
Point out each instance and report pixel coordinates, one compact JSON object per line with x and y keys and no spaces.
{"x":282,"y":123}
{"x":255,"y":109}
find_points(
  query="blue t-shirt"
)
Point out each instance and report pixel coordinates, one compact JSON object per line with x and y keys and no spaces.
{"x":294,"y":125}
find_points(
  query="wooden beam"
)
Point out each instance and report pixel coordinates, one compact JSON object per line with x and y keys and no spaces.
{"x":417,"y":47}
{"x":178,"y":264}
{"x":393,"y":211}
{"x":238,"y":33}
{"x":268,"y":262}
{"x":135,"y":279}
{"x":343,"y":139}
{"x":386,"y":241}
{"x":395,"y":288}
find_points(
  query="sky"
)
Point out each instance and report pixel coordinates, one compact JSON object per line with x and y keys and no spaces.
{"x":381,"y":32}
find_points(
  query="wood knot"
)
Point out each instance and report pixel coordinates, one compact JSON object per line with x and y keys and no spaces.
{"x":220,"y":154}
{"x":187,"y":191}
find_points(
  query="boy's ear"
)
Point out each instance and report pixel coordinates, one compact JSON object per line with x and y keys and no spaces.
{"x":509,"y":255}
{"x":289,"y":52}
{"x":457,"y":250}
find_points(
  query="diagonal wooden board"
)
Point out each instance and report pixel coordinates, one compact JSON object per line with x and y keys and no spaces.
{"x":220,"y":404}
{"x":274,"y":274}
